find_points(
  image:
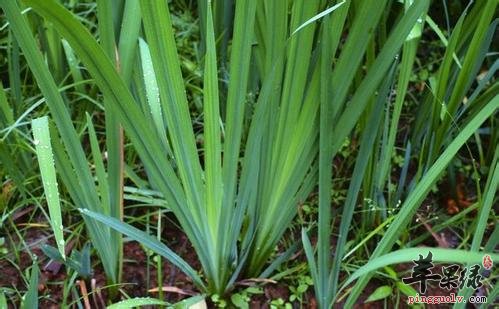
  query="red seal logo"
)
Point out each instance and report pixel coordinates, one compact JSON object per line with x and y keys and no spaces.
{"x":487,"y":262}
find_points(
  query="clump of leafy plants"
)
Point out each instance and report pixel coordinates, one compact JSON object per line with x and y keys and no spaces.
{"x":230,"y":135}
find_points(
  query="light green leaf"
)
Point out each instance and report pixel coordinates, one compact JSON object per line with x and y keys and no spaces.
{"x":41,"y":136}
{"x":380,"y":293}
{"x":146,"y":240}
{"x":137,"y":302}
{"x":30,"y":300}
{"x":318,"y":16}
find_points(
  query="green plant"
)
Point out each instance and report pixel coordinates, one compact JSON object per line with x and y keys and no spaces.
{"x":31,"y":297}
{"x":78,"y":261}
{"x":230,"y":137}
{"x":268,"y":161}
{"x":195,"y":301}
{"x":3,"y":250}
{"x":74,"y":170}
{"x":280,"y":303}
{"x":483,"y":106}
{"x":340,"y":118}
{"x":242,"y":298}
{"x":302,"y":285}
{"x":372,"y":164}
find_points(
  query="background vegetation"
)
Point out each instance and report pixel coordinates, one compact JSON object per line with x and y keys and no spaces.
{"x":244,"y":153}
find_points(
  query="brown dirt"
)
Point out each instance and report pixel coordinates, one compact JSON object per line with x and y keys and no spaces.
{"x":135,"y":276}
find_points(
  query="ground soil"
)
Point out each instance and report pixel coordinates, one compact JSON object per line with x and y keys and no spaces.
{"x":135,"y":282}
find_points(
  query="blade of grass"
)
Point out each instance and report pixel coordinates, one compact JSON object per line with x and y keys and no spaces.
{"x":31,"y":296}
{"x":146,"y":240}
{"x":14,"y":70}
{"x":367,"y":16}
{"x":318,"y":16}
{"x":332,"y":29}
{"x":3,"y":300}
{"x":152,"y":92}
{"x":442,"y":37}
{"x":130,"y":29}
{"x":114,"y":132}
{"x":6,"y":156}
{"x":137,"y":302}
{"x":73,"y":64}
{"x":239,"y":72}
{"x":6,"y":112}
{"x":41,"y":136}
{"x":99,"y":167}
{"x":213,"y":147}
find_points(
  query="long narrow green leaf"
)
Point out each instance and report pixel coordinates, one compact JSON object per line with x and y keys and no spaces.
{"x":470,"y":61}
{"x":114,"y":132}
{"x":433,"y":25}
{"x":6,"y":113}
{"x":3,"y":300}
{"x":99,"y":167}
{"x":321,"y":284}
{"x":488,"y":200}
{"x":152,"y":92}
{"x":6,"y":156}
{"x":130,"y":29}
{"x":294,"y":85}
{"x":137,"y":302}
{"x":239,"y":70}
{"x":443,"y":77}
{"x":31,"y":297}
{"x":146,"y":240}
{"x":309,"y":253}
{"x":332,"y":31}
{"x":160,"y":37}
{"x":73,"y":64}
{"x":213,"y":148}
{"x":41,"y":136}
{"x":319,"y":16}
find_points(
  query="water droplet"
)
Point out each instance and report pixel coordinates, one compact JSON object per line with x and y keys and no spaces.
{"x":36,"y":142}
